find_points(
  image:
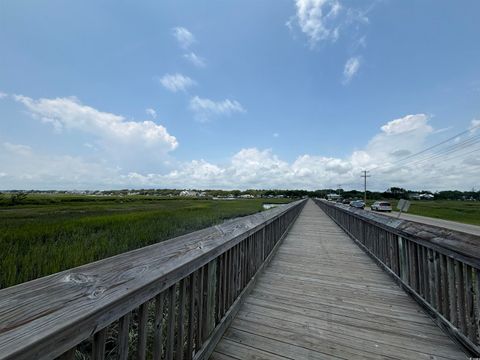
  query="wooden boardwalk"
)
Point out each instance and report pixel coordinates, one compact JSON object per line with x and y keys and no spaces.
{"x":322,"y":297}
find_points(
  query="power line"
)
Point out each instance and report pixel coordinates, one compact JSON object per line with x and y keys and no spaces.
{"x":464,"y":144}
{"x":472,"y":140}
{"x":441,"y":143}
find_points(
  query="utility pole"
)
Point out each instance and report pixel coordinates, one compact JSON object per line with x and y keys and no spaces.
{"x":364,"y":175}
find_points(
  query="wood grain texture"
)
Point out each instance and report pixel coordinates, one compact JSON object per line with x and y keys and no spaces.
{"x":322,"y":297}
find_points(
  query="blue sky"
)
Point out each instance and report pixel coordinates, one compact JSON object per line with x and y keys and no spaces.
{"x":222,"y":94}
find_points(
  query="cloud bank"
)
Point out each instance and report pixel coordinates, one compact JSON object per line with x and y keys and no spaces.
{"x":23,"y":167}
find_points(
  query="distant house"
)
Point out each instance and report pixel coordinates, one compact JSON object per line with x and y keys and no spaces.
{"x":246,"y":196}
{"x":422,"y":196}
{"x":333,"y":197}
{"x":189,"y":193}
{"x":426,"y":196}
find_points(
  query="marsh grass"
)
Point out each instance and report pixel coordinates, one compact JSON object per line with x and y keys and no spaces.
{"x":46,"y":235}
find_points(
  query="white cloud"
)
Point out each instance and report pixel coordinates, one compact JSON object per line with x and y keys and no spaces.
{"x":276,"y":135}
{"x":23,"y":167}
{"x":71,"y":114}
{"x":151,"y":112}
{"x":122,"y":142}
{"x":27,"y":169}
{"x":407,"y":123}
{"x":195,"y":59}
{"x":184,"y":37}
{"x":3,"y":95}
{"x":18,"y":149}
{"x":204,"y":108}
{"x":351,"y":68}
{"x":327,"y":20}
{"x":176,"y":82}
{"x":257,"y":168}
{"x":317,"y":19}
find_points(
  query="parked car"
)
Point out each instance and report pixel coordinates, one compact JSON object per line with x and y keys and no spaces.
{"x":381,"y":206}
{"x":346,"y":201}
{"x":359,"y":204}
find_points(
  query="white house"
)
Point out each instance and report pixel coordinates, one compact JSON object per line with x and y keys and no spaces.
{"x":190,"y":193}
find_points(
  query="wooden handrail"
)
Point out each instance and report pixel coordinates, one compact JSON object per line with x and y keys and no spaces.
{"x":197,"y":276}
{"x":438,"y":267}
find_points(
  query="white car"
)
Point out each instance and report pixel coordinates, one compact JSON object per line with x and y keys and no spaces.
{"x":381,"y":206}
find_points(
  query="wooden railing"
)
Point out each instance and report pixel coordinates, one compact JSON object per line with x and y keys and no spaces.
{"x":170,"y":300}
{"x":439,"y":268}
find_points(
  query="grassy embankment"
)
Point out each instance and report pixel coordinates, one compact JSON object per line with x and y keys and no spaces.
{"x":467,"y":212}
{"x":47,"y":234}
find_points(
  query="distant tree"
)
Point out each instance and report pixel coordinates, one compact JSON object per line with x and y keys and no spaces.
{"x":18,"y":198}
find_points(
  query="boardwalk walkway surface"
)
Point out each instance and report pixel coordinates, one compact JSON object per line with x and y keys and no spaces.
{"x":322,"y":297}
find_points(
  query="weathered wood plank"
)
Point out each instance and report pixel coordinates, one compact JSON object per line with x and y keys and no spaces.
{"x":322,"y":297}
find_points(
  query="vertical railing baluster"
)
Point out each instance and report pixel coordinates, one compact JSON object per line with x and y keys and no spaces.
{"x":230,"y":277}
{"x":123,"y":336}
{"x":201,"y":277}
{"x":426,"y":274}
{"x":417,"y":261}
{"x":476,"y":304}
{"x":171,"y":323}
{"x":460,"y":285}
{"x":142,"y":331}
{"x":181,"y":318}
{"x":218,"y":292}
{"x":445,"y":286}
{"x":431,"y":273}
{"x":158,"y":325}
{"x":191,"y":314}
{"x":224,"y":284}
{"x":467,"y":276}
{"x":452,"y":291}
{"x":98,"y":348}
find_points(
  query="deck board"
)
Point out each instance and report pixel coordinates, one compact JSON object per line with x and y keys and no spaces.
{"x":322,"y":297}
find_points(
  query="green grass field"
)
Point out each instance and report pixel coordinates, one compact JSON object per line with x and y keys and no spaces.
{"x":47,"y":234}
{"x":467,"y":212}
